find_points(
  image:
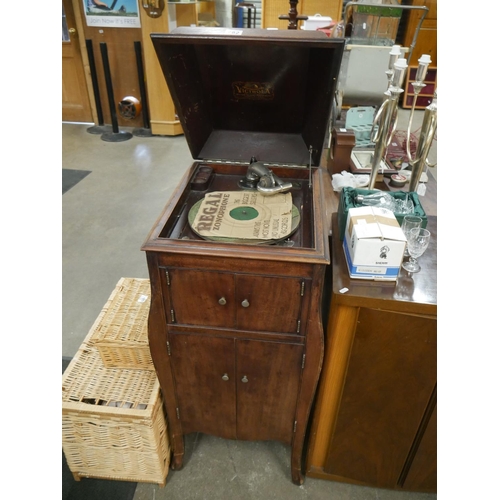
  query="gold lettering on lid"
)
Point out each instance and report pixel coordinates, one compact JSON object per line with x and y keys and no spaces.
{"x":253,"y":90}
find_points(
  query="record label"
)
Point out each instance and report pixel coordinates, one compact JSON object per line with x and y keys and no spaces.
{"x":243,"y":215}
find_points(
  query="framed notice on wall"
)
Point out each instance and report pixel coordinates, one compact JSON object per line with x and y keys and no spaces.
{"x":112,"y":13}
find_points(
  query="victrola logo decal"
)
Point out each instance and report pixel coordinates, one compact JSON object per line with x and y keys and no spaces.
{"x":253,"y":90}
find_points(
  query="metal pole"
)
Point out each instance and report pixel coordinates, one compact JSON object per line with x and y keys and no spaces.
{"x":385,"y":128}
{"x":429,"y":126}
{"x":115,"y":135}
{"x":100,"y":128}
{"x":146,"y":131}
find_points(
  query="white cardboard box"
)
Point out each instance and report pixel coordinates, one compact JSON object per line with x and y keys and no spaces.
{"x":374,"y":243}
{"x":316,"y":21}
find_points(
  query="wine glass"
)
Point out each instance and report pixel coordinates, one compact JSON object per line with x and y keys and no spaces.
{"x":409,"y":222}
{"x":418,"y":241}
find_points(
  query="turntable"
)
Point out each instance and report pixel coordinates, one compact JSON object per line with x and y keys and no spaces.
{"x":238,"y":256}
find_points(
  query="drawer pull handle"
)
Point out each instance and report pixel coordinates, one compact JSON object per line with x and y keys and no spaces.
{"x":244,"y":379}
{"x":222,"y":301}
{"x":225,"y":377}
{"x":245,"y":303}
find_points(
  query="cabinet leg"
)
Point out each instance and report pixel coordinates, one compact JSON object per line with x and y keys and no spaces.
{"x":297,"y":477}
{"x":296,"y":461}
{"x":177,"y":462}
{"x":177,"y":452}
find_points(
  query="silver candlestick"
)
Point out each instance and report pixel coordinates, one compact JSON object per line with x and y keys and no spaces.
{"x":386,"y":119}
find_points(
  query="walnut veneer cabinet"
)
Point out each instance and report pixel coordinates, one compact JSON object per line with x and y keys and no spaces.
{"x":235,"y":329}
{"x":375,"y":418}
{"x":237,"y":343}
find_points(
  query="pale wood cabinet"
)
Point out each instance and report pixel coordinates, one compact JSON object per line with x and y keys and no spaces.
{"x":389,"y":385}
{"x":163,"y":118}
{"x":375,"y":417}
{"x":426,"y":42}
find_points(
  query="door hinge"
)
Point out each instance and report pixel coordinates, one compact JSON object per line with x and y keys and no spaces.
{"x":303,"y":359}
{"x":169,"y":353}
{"x":298,"y":326}
{"x":295,"y":426}
{"x":168,"y":278}
{"x":172,"y":315}
{"x":302,"y":287}
{"x":178,"y":414}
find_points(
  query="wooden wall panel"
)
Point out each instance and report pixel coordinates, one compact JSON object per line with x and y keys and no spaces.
{"x":272,"y":9}
{"x":332,"y":8}
{"x":122,"y":62}
{"x":75,"y":96}
{"x":426,"y":42}
{"x":161,"y":108}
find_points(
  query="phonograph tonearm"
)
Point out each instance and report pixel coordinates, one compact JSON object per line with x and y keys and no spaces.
{"x":259,"y":177}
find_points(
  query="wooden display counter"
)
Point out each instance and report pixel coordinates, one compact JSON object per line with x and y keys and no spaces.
{"x":374,"y":421}
{"x":428,"y":202}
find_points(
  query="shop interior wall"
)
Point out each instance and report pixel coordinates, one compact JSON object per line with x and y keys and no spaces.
{"x":122,"y":56}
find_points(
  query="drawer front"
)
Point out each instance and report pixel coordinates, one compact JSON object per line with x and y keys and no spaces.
{"x":200,"y":298}
{"x":272,"y":304}
{"x":236,"y":301}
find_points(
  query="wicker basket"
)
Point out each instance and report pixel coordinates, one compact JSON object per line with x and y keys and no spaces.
{"x":113,"y":421}
{"x":120,"y":332}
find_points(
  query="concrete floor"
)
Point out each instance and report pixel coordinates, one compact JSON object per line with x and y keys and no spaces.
{"x":105,"y":219}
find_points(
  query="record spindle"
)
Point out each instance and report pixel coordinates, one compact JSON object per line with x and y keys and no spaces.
{"x":100,"y":128}
{"x":146,"y":130}
{"x":115,"y":135}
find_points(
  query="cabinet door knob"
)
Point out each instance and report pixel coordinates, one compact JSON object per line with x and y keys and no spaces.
{"x":222,"y":301}
{"x":245,"y":303}
{"x":244,"y":379}
{"x":225,"y":377}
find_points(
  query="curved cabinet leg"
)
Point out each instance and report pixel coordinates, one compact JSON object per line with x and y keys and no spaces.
{"x":177,"y":462}
{"x":177,"y":442}
{"x":297,"y":477}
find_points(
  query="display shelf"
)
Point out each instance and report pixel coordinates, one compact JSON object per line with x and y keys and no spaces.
{"x":426,"y":94}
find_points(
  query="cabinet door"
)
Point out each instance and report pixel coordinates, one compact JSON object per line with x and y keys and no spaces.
{"x":390,"y":379}
{"x":267,"y":381}
{"x":201,"y":298}
{"x":422,"y":475}
{"x":204,"y":383}
{"x":270,"y":304}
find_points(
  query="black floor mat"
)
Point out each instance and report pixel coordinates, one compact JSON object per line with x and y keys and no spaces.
{"x":71,"y":178}
{"x":94,"y":489}
{"x":89,"y":488}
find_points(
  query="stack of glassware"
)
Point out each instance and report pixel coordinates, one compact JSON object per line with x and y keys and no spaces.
{"x":382,"y":199}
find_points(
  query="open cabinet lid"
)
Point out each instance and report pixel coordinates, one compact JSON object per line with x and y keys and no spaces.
{"x":243,"y":93}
